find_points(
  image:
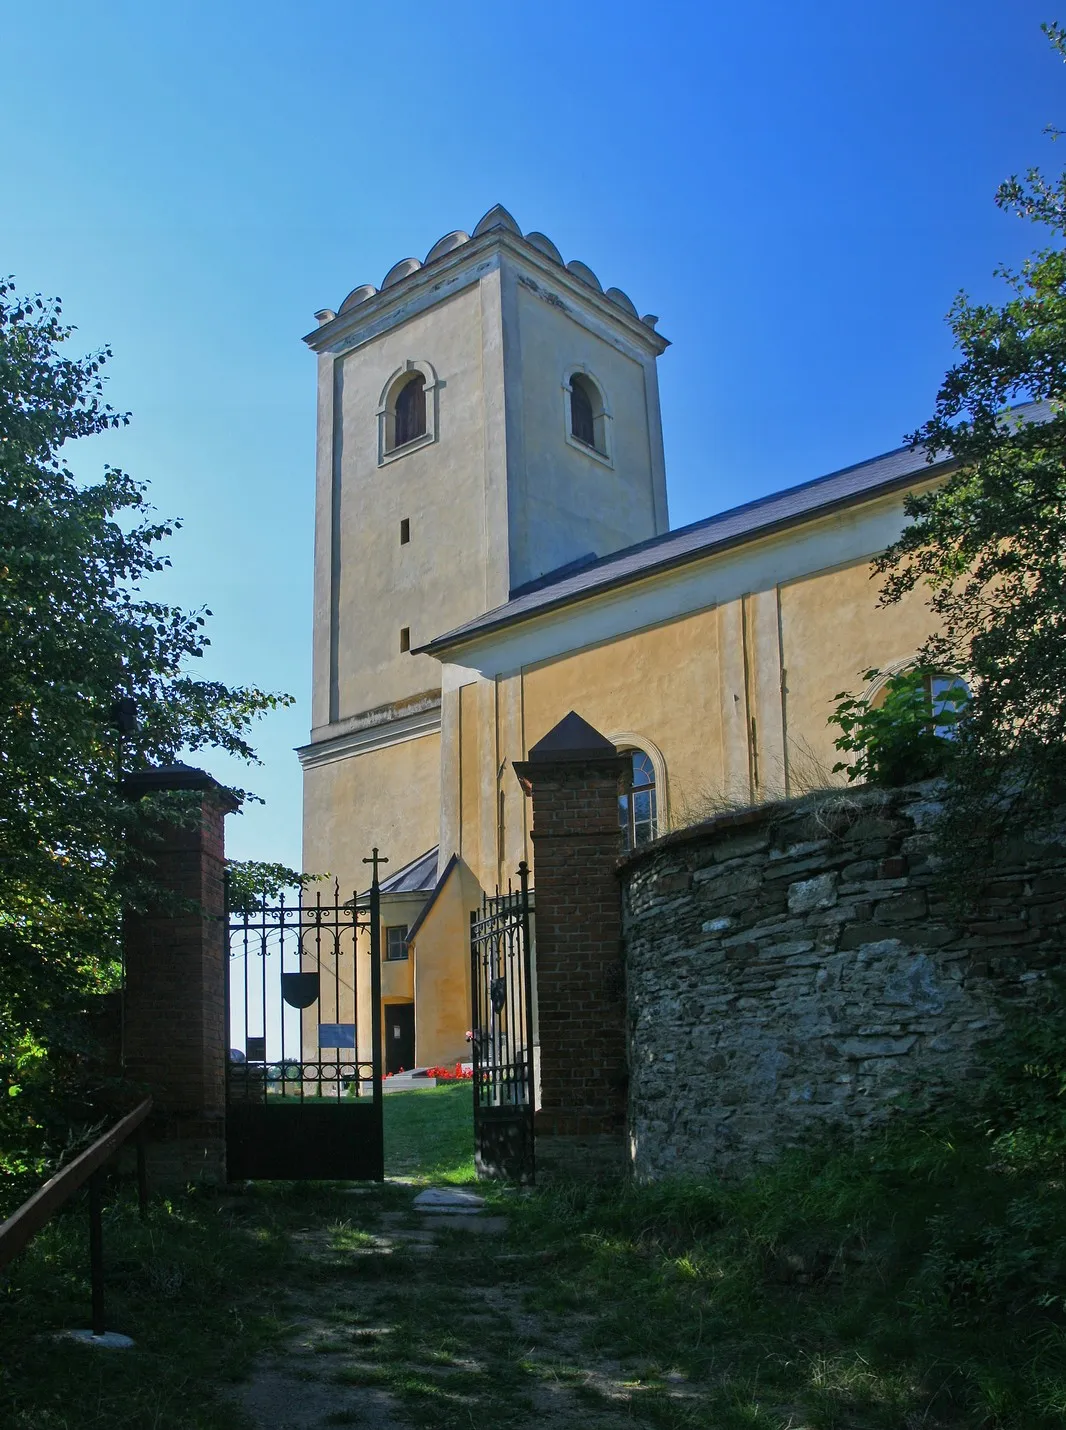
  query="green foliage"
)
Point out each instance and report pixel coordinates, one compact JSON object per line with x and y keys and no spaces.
{"x":77,"y":633}
{"x":913,"y":1277}
{"x":989,"y":542}
{"x":252,"y":883}
{"x":901,"y":739}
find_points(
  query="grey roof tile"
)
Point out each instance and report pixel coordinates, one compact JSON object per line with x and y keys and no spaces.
{"x":420,"y":876}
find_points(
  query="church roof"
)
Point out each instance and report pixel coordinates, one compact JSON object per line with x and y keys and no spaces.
{"x":764,"y":516}
{"x":418,"y":877}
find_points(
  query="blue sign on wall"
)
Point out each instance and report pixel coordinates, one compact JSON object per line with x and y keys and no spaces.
{"x":336,"y":1035}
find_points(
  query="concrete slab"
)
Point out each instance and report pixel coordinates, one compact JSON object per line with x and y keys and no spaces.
{"x":448,"y":1198}
{"x":451,"y":1221}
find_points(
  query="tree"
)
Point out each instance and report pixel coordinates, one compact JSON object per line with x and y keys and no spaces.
{"x":990,"y":541}
{"x":77,"y":635}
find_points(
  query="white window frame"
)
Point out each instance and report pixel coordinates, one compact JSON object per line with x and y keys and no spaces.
{"x":386,"y":411}
{"x":602,"y":421}
{"x":396,"y":957}
{"x":624,"y":740}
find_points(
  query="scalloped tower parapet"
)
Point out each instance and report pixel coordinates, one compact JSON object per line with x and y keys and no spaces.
{"x":623,"y":300}
{"x":585,"y":273}
{"x":400,"y":271}
{"x":542,"y":242}
{"x":497,"y":217}
{"x":357,"y":296}
{"x":448,"y":244}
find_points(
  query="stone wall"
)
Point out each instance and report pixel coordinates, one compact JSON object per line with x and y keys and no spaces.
{"x":801,"y":963}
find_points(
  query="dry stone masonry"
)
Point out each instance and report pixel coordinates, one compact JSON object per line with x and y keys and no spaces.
{"x":800,"y":963}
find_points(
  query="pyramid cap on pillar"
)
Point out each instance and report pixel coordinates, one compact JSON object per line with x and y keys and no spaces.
{"x":572,"y":739}
{"x":177,"y":777}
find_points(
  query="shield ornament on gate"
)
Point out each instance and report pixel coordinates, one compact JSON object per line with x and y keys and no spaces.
{"x":299,"y":990}
{"x":498,"y":994}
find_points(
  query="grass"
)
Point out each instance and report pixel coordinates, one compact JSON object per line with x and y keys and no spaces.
{"x":429,"y":1134}
{"x":204,"y":1286}
{"x":200,"y":1293}
{"x":912,"y":1282}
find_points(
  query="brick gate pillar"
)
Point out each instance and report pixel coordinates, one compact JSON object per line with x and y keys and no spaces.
{"x":575,"y":776}
{"x":175,"y":1040}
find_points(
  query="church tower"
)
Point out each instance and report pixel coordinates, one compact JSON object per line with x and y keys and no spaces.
{"x":485,"y":418}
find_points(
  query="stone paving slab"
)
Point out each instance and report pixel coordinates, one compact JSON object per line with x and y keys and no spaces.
{"x":450,"y":1198}
{"x":442,"y":1221}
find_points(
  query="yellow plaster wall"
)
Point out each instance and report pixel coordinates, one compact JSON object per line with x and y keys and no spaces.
{"x":832,"y":630}
{"x":476,"y":750}
{"x":662,"y":683}
{"x":388,"y":797}
{"x":442,"y":972}
{"x":397,"y":975}
{"x":562,"y":502}
{"x":736,"y":698}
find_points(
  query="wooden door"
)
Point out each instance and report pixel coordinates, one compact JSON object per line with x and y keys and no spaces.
{"x":399,"y":1037}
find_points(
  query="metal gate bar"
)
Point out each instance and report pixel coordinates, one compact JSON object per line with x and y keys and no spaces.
{"x":294,"y":1111}
{"x":502,"y":1033}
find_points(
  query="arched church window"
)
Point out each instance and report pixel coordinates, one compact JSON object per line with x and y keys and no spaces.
{"x":947,"y":695}
{"x":410,"y":419}
{"x":581,"y":419}
{"x":638,"y":815}
{"x":587,"y":418}
{"x":407,"y":411}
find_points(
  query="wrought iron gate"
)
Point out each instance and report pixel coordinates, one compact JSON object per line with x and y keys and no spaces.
{"x":502,"y":1033}
{"x":303,"y":1093}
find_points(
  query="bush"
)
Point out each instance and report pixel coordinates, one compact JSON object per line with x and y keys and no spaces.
{"x":902,"y":739}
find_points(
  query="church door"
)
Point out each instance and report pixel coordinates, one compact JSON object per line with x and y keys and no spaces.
{"x":399,"y":1037}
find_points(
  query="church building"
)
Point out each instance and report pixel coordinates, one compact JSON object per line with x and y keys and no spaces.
{"x":493,"y":550}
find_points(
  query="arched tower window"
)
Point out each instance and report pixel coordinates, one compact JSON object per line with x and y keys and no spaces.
{"x":638,"y":814}
{"x":410,"y":410}
{"x":407,"y":411}
{"x":588,"y":421}
{"x":581,"y":420}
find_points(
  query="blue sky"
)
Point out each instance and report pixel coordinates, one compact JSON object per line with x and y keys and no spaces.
{"x":797,"y":190}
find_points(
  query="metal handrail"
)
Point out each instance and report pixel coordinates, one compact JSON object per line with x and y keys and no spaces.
{"x":23,"y":1225}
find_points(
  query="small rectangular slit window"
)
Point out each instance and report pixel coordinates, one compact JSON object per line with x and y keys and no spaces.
{"x":405,"y":531}
{"x":405,"y":638}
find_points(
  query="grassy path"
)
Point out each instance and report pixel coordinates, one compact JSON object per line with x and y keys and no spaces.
{"x":793,"y":1302}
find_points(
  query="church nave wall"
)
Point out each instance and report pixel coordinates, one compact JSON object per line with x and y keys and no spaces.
{"x":388,"y":797}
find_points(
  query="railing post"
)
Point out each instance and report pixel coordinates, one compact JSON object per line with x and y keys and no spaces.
{"x":96,"y":1251}
{"x":142,"y":1174}
{"x":527,"y":973}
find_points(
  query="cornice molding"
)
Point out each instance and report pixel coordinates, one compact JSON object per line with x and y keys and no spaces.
{"x":371,"y":737}
{"x":450,"y":274}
